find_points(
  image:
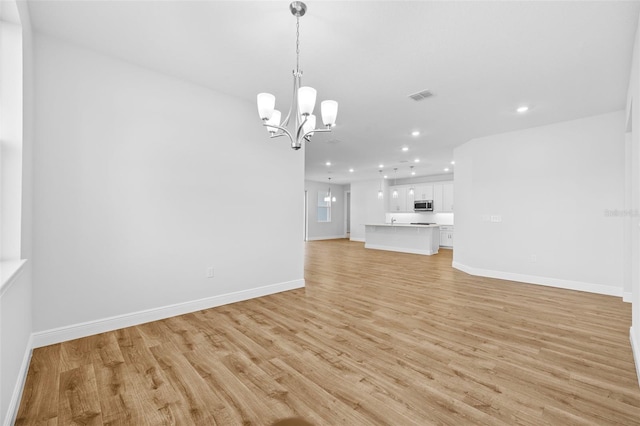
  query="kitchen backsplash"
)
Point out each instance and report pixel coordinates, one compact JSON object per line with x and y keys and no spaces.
{"x":439,"y":218}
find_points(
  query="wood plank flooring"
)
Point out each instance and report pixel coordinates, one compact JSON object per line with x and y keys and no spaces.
{"x":375,"y":338}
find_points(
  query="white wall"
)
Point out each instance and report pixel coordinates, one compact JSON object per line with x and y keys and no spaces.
{"x":366,"y":208}
{"x":632,"y":222}
{"x":15,"y":337}
{"x":11,"y":111}
{"x":16,"y":292}
{"x":142,"y":182}
{"x":325,"y":230}
{"x":551,"y":186}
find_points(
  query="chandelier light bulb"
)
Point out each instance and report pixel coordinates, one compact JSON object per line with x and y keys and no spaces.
{"x":274,"y":121}
{"x":329,"y":111}
{"x":306,"y":99}
{"x":266,"y":104}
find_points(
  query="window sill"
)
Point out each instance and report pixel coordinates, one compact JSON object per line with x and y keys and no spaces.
{"x":9,"y":270}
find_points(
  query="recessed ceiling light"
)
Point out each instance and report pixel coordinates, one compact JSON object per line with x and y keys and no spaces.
{"x":413,"y":173}
{"x":415,"y":133}
{"x":405,"y":148}
{"x":417,"y":160}
{"x":380,"y":165}
{"x":522,"y":109}
{"x":350,"y":170}
{"x":385,"y":176}
{"x":446,"y":169}
{"x":453,"y":162}
{"x":328,"y":163}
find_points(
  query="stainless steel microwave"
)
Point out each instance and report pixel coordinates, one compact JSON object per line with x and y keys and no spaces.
{"x":423,"y":205}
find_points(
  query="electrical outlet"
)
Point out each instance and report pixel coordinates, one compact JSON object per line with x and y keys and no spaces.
{"x":210,"y":272}
{"x":496,"y":218}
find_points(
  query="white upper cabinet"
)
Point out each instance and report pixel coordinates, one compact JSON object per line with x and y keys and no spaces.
{"x":398,"y":203}
{"x":443,"y":197}
{"x":447,"y":197}
{"x":423,"y":192}
{"x":440,"y":192}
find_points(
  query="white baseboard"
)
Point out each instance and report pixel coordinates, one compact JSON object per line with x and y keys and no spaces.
{"x":546,"y":281}
{"x":329,"y":237}
{"x":626,"y":297}
{"x":14,"y":404}
{"x":360,"y":240}
{"x":635,"y":349}
{"x":75,"y":331}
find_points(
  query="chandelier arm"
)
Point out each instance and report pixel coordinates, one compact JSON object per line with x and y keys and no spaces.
{"x":300,"y":128}
{"x":313,"y":131}
{"x":283,"y":129}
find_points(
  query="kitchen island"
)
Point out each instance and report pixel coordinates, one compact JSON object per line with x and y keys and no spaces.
{"x":403,"y":237}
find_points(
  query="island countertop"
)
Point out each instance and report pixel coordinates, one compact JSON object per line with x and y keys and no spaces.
{"x":403,"y":237}
{"x":413,"y":225}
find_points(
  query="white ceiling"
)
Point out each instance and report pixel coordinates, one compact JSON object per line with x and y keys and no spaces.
{"x":481,"y":60}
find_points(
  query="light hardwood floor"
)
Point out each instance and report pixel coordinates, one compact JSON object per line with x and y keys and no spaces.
{"x":375,"y":338}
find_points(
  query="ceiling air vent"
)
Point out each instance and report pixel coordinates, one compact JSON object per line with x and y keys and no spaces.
{"x":418,"y":96}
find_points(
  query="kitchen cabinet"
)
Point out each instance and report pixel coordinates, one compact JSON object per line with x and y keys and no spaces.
{"x":446,"y":236}
{"x":443,"y":197}
{"x":441,"y":193}
{"x":423,"y":192}
{"x":447,"y":197}
{"x":398,"y":204}
{"x":411,"y":197}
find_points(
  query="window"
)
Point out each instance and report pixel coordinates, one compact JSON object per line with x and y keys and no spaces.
{"x":324,"y":207}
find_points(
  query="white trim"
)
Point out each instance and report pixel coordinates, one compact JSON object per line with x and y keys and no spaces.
{"x":399,"y":249}
{"x":626,"y":297}
{"x":9,"y":271}
{"x":360,"y":240}
{"x":328,"y":237}
{"x":546,"y":281}
{"x":14,"y":404}
{"x":75,"y":331}
{"x":635,"y":349}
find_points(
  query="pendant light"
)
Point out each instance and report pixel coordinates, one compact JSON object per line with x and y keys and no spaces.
{"x":395,"y":191}
{"x":412,"y":189}
{"x":380,"y":192}
{"x":329,"y":198}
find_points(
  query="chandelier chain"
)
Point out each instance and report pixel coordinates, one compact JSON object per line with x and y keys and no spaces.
{"x":297,"y":44}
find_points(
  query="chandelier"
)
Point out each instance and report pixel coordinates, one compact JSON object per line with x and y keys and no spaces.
{"x":329,"y":198}
{"x":304,"y":100}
